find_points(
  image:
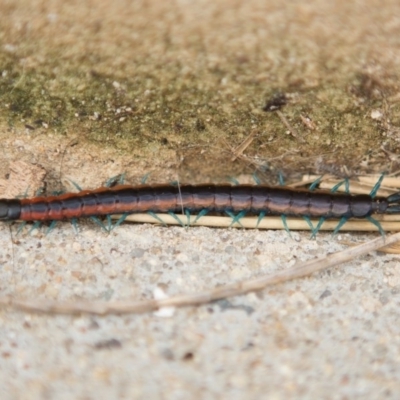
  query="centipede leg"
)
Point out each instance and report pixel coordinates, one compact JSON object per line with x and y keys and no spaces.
{"x":342,"y":221}
{"x":21,"y":226}
{"x":99,"y":223}
{"x":121,"y":219}
{"x":51,"y":227}
{"x":285,"y":225}
{"x":156,"y":217}
{"x":377,"y":186}
{"x":115,"y":180}
{"x":260,"y":217}
{"x":74,"y":223}
{"x":236,"y":218}
{"x":234,"y":181}
{"x":202,"y":213}
{"x":256,"y":179}
{"x":317,"y":228}
{"x":315,"y":184}
{"x":144,"y":178}
{"x":187,"y":213}
{"x":176,"y":218}
{"x":309,"y":223}
{"x":281,"y":179}
{"x":36,"y":225}
{"x":377,"y":224}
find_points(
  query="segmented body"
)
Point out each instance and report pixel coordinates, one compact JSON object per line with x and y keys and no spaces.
{"x":252,"y":199}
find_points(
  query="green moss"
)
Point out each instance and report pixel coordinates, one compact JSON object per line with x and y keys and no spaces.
{"x":159,"y":109}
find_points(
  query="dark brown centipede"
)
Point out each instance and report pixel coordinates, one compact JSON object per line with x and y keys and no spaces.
{"x":251,"y":199}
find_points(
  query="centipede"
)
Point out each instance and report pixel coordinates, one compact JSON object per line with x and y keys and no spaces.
{"x":241,"y":200}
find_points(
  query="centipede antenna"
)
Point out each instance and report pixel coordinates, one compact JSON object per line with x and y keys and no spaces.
{"x":377,"y":224}
{"x":342,"y":221}
{"x":144,"y":178}
{"x":236,"y":218}
{"x":393,"y":198}
{"x":121,"y":219}
{"x":315,"y":184}
{"x":156,"y":217}
{"x":317,"y":228}
{"x":260,"y":217}
{"x":256,"y":179}
{"x":285,"y":225}
{"x":51,"y":226}
{"x":393,"y":210}
{"x":176,"y":218}
{"x":202,"y":213}
{"x":375,"y":189}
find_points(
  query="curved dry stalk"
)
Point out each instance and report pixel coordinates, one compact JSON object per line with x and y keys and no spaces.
{"x":193,"y":299}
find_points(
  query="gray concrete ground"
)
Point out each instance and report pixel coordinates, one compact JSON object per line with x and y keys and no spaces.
{"x":333,"y":335}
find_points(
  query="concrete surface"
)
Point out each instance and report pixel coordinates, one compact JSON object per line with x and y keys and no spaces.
{"x":333,"y":335}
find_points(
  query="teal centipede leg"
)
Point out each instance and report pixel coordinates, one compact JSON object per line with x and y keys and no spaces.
{"x":99,"y":223}
{"x":336,"y":187}
{"x":236,"y":218}
{"x":202,"y":213}
{"x":176,"y":218}
{"x":109,"y":223}
{"x":234,"y":181}
{"x":315,"y":184}
{"x":260,"y":217}
{"x":281,"y":179}
{"x":121,"y":219}
{"x":376,"y":187}
{"x":21,"y":226}
{"x":156,"y":217}
{"x":318,"y":227}
{"x":187,"y":213}
{"x":115,"y":180}
{"x":76,"y":186}
{"x":51,"y":227}
{"x":256,"y":179}
{"x":74,"y":223}
{"x":285,"y":225}
{"x":144,"y":178}
{"x":342,"y":221}
{"x":377,"y":224}
{"x":35,"y":225}
{"x":309,"y":223}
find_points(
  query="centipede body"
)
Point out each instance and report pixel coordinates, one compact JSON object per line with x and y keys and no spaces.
{"x":251,"y":199}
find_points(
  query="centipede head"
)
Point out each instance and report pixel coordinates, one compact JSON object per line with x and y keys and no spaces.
{"x":9,"y":209}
